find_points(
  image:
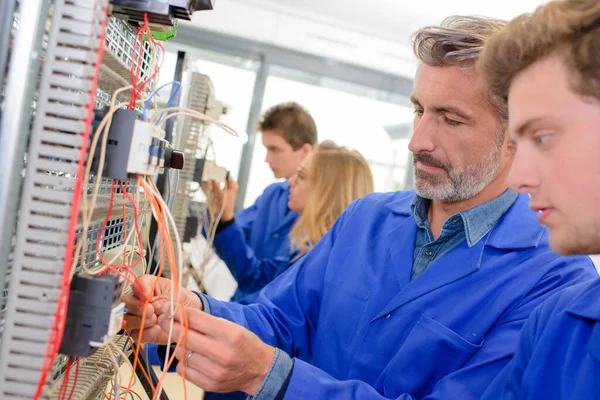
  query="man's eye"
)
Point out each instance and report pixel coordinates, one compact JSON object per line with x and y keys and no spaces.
{"x":541,"y":139}
{"x":418,"y":112}
{"x":452,"y":122}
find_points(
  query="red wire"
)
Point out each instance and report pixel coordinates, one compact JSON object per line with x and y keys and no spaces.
{"x":65,"y":383}
{"x":106,"y":219}
{"x":115,"y":268}
{"x":74,"y":379}
{"x":58,"y":325}
{"x":136,"y":67}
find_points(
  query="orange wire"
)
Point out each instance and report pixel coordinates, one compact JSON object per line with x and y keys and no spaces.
{"x":134,"y":392}
{"x":124,"y":222}
{"x":154,"y":205}
{"x":132,"y":343}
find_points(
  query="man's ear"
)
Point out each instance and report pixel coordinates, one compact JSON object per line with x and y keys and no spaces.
{"x":306,"y":149}
{"x":512,"y":148}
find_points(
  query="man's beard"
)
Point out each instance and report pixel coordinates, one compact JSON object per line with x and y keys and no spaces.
{"x":455,"y":185}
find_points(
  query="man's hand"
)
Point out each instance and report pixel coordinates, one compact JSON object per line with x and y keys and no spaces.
{"x":219,"y":196}
{"x":225,"y":357}
{"x":158,"y":298}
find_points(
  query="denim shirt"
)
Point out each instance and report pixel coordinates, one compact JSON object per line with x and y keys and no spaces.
{"x":471,"y":224}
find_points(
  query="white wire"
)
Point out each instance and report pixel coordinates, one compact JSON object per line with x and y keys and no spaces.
{"x":117,"y":382}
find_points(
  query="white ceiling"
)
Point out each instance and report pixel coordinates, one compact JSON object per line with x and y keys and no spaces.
{"x":371,"y":33}
{"x":397,"y":19}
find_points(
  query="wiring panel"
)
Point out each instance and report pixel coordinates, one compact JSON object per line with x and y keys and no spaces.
{"x":73,"y":216}
{"x":60,"y":130}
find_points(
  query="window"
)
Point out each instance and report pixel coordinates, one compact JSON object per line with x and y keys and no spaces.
{"x":348,"y":114}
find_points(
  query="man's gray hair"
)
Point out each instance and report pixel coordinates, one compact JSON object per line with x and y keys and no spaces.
{"x":459,"y":41}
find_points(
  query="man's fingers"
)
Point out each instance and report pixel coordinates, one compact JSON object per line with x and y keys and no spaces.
{"x":195,"y":341}
{"x":233,"y":185}
{"x":198,"y":378}
{"x":153,"y":335}
{"x":202,"y":322}
{"x":135,"y":307}
{"x":135,"y":322}
{"x":143,"y":286}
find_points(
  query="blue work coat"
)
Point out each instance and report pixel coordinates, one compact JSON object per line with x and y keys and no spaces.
{"x":256,"y":247}
{"x":559,"y":353}
{"x":359,"y":328}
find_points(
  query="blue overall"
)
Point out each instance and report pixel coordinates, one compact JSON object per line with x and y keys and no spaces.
{"x":357,"y":327}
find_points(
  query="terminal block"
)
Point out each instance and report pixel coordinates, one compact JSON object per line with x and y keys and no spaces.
{"x":134,"y":147}
{"x":95,"y":314}
{"x":160,"y":12}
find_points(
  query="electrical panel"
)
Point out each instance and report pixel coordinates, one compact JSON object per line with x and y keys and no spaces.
{"x":83,"y":220}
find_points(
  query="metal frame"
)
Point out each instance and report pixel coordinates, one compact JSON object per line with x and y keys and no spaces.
{"x":271,"y":55}
{"x":15,"y":126}
{"x":248,"y":151}
{"x":7,"y":8}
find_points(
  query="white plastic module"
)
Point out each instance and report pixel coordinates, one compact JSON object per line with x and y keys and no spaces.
{"x":64,"y":106}
{"x":212,"y":172}
{"x":147,"y":151}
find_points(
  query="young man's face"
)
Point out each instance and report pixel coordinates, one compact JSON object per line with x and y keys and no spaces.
{"x":458,"y":143}
{"x":281,"y":157}
{"x":557,"y":162}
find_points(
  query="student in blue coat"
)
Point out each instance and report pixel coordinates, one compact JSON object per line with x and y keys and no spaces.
{"x":327,"y":181}
{"x":546,"y":66}
{"x":289,"y":134}
{"x":409,"y":295}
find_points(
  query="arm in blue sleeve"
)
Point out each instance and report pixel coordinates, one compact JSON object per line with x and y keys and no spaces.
{"x":472,"y":379}
{"x":245,"y":218}
{"x":286,"y":312}
{"x":250,"y":272}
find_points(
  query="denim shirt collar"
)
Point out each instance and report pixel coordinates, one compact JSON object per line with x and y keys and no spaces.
{"x":476,"y":222}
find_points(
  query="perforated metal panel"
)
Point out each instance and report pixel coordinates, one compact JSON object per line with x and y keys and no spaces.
{"x":56,"y":139}
{"x":192,"y":141}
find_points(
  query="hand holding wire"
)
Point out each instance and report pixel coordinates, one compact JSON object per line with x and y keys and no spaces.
{"x":225,"y":357}
{"x":154,"y":308}
{"x":221,"y":198}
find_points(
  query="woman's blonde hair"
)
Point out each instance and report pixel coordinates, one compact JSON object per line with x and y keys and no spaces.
{"x":339,"y":176}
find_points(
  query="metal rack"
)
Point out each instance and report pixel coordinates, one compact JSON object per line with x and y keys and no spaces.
{"x":66,"y":36}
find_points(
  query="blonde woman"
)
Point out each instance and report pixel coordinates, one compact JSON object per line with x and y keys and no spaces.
{"x":327,"y":181}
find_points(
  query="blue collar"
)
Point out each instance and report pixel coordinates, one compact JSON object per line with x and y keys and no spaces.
{"x":476,"y":221}
{"x":587,"y":303}
{"x":519,"y":220}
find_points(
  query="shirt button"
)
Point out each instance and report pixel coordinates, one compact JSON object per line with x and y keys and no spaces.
{"x":428,"y":252}
{"x":388,"y":316}
{"x":276,"y":235}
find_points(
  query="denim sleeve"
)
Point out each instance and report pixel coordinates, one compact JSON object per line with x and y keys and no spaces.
{"x":205,"y":304}
{"x":274,"y":385}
